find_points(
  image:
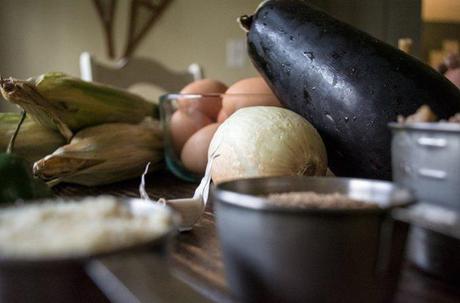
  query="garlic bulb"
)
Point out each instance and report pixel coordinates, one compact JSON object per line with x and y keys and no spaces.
{"x":264,"y":141}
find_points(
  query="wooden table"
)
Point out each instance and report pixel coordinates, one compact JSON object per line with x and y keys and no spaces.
{"x":197,"y":258}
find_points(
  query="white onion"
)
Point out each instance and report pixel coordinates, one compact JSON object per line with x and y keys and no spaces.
{"x":264,"y":141}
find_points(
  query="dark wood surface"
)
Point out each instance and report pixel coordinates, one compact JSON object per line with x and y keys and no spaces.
{"x":196,"y":257}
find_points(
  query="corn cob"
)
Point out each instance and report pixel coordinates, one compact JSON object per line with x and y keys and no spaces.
{"x":104,"y":154}
{"x":33,"y":141}
{"x":69,"y":104}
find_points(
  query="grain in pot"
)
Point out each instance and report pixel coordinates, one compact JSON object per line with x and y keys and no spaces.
{"x":316,"y":200}
{"x":76,"y":228}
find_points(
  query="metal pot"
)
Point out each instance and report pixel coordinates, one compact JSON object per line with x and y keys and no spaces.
{"x":72,"y":279}
{"x":426,"y":159}
{"x":279,"y":254}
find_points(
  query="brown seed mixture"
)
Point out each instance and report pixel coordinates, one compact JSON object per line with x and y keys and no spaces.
{"x":455,"y":119}
{"x":425,"y":114}
{"x":315,"y":200}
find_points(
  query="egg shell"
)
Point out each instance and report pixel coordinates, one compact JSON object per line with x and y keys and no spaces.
{"x":222,"y":116}
{"x":183,"y":125}
{"x":256,"y":85}
{"x":454,"y":76}
{"x":194,"y":155}
{"x":210,"y":106}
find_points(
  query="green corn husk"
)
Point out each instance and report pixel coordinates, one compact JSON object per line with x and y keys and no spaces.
{"x":68,"y":104}
{"x":104,"y":154}
{"x":33,"y":141}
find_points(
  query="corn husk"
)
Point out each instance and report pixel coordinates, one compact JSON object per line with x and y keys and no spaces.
{"x":68,"y":104}
{"x":33,"y":141}
{"x":104,"y":154}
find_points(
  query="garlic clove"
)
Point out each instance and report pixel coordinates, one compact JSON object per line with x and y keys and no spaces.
{"x":190,"y":209}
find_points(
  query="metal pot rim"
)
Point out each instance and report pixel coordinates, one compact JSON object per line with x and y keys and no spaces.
{"x":427,"y":126}
{"x":402,"y":197}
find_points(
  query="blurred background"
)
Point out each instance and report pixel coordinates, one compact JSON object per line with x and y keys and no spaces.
{"x":38,"y":36}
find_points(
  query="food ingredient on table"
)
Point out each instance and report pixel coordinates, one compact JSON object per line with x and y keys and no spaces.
{"x":455,"y":118}
{"x":208,"y":106}
{"x":454,"y":76}
{"x":194,"y":155}
{"x":235,"y":97}
{"x":450,"y":68}
{"x":59,"y":229}
{"x":221,"y":116}
{"x":183,"y":125}
{"x":16,"y":180}
{"x":348,"y":84}
{"x":190,"y":209}
{"x":199,"y":106}
{"x":104,"y":154}
{"x":425,"y":115}
{"x":33,"y":141}
{"x":264,"y":141}
{"x":317,"y":200}
{"x":68,"y":104}
{"x":204,"y":86}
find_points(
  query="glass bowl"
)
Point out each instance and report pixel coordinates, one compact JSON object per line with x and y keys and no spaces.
{"x":183,"y":117}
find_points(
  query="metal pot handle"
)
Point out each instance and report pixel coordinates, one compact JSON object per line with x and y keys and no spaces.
{"x":139,"y":277}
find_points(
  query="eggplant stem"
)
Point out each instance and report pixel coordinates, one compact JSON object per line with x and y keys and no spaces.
{"x":245,"y":22}
{"x":10,"y":147}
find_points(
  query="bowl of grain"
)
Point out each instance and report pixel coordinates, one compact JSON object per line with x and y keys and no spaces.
{"x":47,"y":248}
{"x":311,"y":239}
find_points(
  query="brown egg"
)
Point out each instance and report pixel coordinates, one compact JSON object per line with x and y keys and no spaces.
{"x":222,"y":116}
{"x":454,"y":76}
{"x":210,"y":106}
{"x":194,"y":155}
{"x":255,"y":85}
{"x":183,"y":125}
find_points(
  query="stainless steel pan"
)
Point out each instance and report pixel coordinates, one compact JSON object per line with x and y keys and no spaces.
{"x":276,"y":254}
{"x":137,"y":273}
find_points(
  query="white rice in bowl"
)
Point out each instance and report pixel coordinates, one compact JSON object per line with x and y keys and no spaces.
{"x":77,"y":228}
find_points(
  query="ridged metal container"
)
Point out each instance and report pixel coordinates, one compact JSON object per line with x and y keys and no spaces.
{"x":434,"y":242}
{"x":279,"y":254}
{"x":426,"y":159}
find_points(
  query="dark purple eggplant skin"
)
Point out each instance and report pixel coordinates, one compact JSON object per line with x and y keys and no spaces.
{"x":348,"y":84}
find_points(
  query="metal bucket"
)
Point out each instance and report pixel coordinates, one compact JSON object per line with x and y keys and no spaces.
{"x":434,"y":240}
{"x":426,"y":159}
{"x":279,"y":254}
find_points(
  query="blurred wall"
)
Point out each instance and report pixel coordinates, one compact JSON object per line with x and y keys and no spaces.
{"x":388,"y":20}
{"x":444,"y":11}
{"x":441,"y":29}
{"x":37,"y":36}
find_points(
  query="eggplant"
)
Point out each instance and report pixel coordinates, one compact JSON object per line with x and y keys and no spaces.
{"x":348,"y":84}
